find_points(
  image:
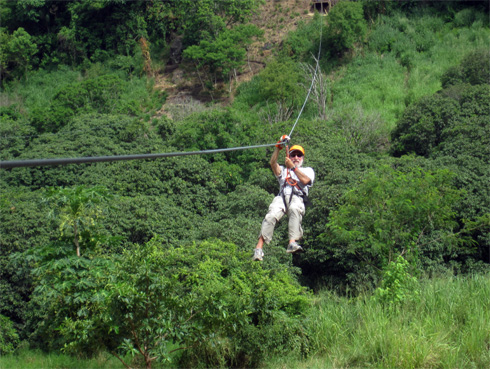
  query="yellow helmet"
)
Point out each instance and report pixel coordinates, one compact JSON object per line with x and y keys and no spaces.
{"x":297,"y":148}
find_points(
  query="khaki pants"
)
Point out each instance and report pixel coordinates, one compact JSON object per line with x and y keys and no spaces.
{"x":295,"y":212}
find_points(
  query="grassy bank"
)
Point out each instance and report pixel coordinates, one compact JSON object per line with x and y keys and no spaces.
{"x":447,"y":326}
{"x":34,"y":359}
{"x":404,"y":62}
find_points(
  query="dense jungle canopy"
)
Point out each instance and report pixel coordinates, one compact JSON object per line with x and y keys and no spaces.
{"x":101,"y":256}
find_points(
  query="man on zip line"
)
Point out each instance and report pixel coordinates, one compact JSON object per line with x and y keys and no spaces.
{"x":294,"y":183}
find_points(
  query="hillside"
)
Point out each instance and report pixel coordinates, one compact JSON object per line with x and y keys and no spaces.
{"x":149,"y":261}
{"x":275,"y":18}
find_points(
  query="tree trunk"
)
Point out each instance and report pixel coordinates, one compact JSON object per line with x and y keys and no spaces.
{"x":75,"y":239}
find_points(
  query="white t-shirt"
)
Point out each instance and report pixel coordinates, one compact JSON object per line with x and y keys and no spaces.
{"x":309,"y":172}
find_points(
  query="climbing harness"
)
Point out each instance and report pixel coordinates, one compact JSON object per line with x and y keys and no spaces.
{"x":295,"y":190}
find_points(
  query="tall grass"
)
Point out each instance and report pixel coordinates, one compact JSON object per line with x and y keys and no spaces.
{"x":447,"y":327}
{"x":39,"y":89}
{"x":403,"y":62}
{"x":34,"y":359}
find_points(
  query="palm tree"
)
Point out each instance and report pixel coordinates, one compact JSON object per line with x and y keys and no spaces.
{"x":77,"y":208}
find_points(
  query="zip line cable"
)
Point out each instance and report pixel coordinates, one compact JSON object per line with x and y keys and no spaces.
{"x":313,"y":79}
{"x":97,"y":159}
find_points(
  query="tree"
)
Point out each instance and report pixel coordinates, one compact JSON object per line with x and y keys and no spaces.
{"x":224,"y":55}
{"x":279,"y":82}
{"x":346,"y":26}
{"x":9,"y":338}
{"x":420,"y":129}
{"x":68,"y":302}
{"x":197,"y":297}
{"x":77,"y":208}
{"x":203,"y":18}
{"x":473,"y":69}
{"x":393,"y":213}
{"x":20,"y":51}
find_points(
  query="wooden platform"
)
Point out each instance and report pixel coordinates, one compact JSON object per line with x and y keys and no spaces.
{"x":322,"y":6}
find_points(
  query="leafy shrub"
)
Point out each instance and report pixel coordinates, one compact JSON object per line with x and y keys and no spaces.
{"x":267,"y":303}
{"x":466,"y":17}
{"x":138,"y":218}
{"x":106,"y":94}
{"x":226,"y":53}
{"x":207,"y":299}
{"x":86,"y":135}
{"x":473,"y":69}
{"x":15,"y":133}
{"x":17,"y":55}
{"x":397,"y":285}
{"x":278,"y":82}
{"x":218,"y":129}
{"x":387,"y":215}
{"x":68,"y":299}
{"x":9,"y":337}
{"x":23,"y":225}
{"x":383,"y":37}
{"x":303,"y":41}
{"x":364,"y":131}
{"x":346,"y":26}
{"x":165,"y":127}
{"x":77,"y":209}
{"x":93,"y":95}
{"x":420,"y":129}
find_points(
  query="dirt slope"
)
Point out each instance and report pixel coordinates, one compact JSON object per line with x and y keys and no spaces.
{"x":275,"y":17}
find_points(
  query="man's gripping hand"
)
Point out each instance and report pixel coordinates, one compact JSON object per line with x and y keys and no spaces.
{"x":282,"y":141}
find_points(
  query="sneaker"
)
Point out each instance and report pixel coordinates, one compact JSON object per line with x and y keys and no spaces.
{"x":293,"y":248}
{"x":258,"y":255}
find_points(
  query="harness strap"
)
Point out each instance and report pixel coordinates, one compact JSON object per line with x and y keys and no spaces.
{"x":292,"y":182}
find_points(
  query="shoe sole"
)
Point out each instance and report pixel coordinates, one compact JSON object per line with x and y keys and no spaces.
{"x":297,"y":251}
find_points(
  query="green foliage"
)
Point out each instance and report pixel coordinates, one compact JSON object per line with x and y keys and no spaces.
{"x":446,"y":326}
{"x":101,"y":31}
{"x":366,"y":132}
{"x":473,"y":69}
{"x":298,"y":43}
{"x":452,"y":129}
{"x":15,"y":132}
{"x":420,"y":129}
{"x":9,"y":338}
{"x":23,"y":225}
{"x":346,"y":26}
{"x":16,"y":56}
{"x":137,"y":219}
{"x":87,"y":135}
{"x":466,"y":17}
{"x":397,"y":285}
{"x":103,"y":95}
{"x":184,"y":200}
{"x":69,"y":299}
{"x":77,"y":209}
{"x":226,"y":53}
{"x":200,"y":18}
{"x":387,"y":215}
{"x":279,"y":82}
{"x":203,"y":298}
{"x":222,"y":128}
{"x":26,"y":358}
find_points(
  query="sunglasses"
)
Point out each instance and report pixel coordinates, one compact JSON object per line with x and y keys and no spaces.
{"x":298,"y":155}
